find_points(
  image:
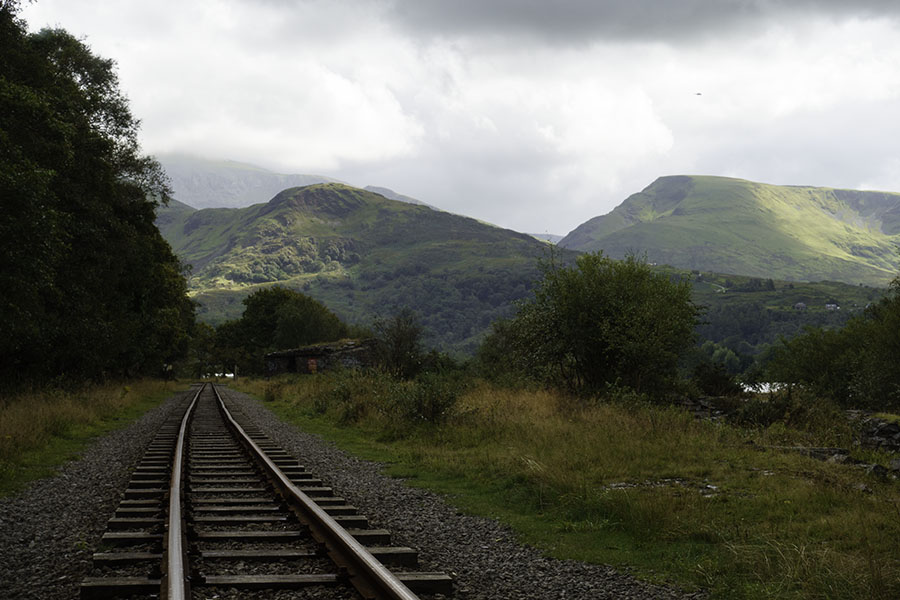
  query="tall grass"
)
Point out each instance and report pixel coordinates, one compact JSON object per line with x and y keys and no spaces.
{"x":625,"y":482}
{"x":39,"y":430}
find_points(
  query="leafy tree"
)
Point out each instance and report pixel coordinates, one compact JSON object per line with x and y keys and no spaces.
{"x":601,"y":322}
{"x":88,"y":287}
{"x":229,"y":352}
{"x":276,"y":318}
{"x":398,"y":345}
{"x":202,"y":350}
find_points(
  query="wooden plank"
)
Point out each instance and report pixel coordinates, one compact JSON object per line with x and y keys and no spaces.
{"x":427,"y":583}
{"x":130,"y":537}
{"x":225,"y":481}
{"x":146,"y":483}
{"x":232,"y":500}
{"x":124,"y":511}
{"x":226,"y":490}
{"x":237,"y":508}
{"x":371,"y":536}
{"x":107,"y":587}
{"x":339,"y":509}
{"x":252,"y":536}
{"x":144,"y":493}
{"x":352,"y":521}
{"x":240,"y":519}
{"x":398,"y":556}
{"x":133,"y":523}
{"x":285,"y":553}
{"x":102,"y":559}
{"x":258,"y":582}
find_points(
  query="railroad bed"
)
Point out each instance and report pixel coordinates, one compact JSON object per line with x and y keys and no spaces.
{"x":216,"y":510}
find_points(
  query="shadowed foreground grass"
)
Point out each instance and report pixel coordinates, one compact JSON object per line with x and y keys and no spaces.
{"x":642,"y":487}
{"x":41,"y":430}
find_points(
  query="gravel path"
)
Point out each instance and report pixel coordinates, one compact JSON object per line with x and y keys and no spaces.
{"x":50,"y":530}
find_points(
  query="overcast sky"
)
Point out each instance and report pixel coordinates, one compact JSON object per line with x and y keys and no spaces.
{"x":532,"y":114}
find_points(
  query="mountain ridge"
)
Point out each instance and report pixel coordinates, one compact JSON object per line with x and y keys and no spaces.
{"x":206,"y":183}
{"x":362,"y":254}
{"x":730,"y":225}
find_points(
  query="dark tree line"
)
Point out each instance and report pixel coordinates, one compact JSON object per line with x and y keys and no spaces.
{"x":88,"y":287}
{"x":856,"y":366}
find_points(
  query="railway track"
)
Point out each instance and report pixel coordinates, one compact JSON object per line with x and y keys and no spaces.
{"x":215,"y":509}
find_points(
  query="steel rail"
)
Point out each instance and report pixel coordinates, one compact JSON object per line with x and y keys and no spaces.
{"x":371,"y":578}
{"x":176,"y":585}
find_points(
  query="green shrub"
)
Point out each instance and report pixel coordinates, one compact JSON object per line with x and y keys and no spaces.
{"x":762,"y":412}
{"x":271,"y":393}
{"x":430,"y":398}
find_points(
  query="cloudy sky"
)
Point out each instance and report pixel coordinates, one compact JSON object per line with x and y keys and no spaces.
{"x":532,"y":114}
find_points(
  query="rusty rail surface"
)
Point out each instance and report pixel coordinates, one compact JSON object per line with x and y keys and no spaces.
{"x":175,"y":584}
{"x":371,"y":578}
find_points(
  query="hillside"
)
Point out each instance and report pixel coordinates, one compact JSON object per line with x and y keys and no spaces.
{"x":361,"y":254}
{"x":736,"y":226}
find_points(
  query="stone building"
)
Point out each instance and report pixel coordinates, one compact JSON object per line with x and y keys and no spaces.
{"x":352,"y":354}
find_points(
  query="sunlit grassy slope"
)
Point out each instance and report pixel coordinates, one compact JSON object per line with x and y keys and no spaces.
{"x":736,"y":226}
{"x":362,"y":254}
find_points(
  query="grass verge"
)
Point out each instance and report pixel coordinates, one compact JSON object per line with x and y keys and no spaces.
{"x":646,"y":488}
{"x":41,"y":430}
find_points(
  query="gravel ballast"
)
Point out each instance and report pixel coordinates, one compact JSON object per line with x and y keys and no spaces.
{"x":51,"y":529}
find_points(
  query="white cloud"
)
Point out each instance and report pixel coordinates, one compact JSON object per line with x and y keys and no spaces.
{"x":538,"y":121}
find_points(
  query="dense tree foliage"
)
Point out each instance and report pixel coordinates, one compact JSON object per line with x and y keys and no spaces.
{"x":275,"y":318}
{"x":855,"y":366}
{"x":747,"y":329}
{"x":88,"y":287}
{"x":601,"y":322}
{"x":398,"y":346}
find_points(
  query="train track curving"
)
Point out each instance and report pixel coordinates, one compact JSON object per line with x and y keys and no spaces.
{"x":215,"y":509}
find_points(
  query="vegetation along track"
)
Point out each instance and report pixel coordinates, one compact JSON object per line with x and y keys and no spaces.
{"x":214,"y":509}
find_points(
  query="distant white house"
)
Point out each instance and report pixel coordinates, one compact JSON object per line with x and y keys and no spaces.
{"x":832,"y":307}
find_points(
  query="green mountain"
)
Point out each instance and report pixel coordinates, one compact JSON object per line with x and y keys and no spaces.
{"x":736,"y":226}
{"x":361,"y":254}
